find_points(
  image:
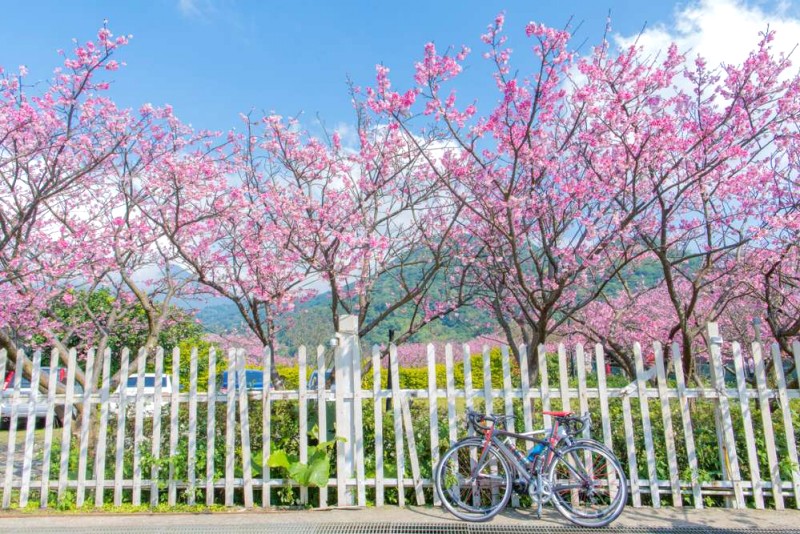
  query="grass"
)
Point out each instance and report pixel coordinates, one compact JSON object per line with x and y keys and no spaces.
{"x":38,"y":435}
{"x":125,"y":508}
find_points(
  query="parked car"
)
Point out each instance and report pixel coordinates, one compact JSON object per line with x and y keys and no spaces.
{"x":40,"y":407}
{"x":148,"y":392}
{"x":253,"y":379}
{"x":313,"y":380}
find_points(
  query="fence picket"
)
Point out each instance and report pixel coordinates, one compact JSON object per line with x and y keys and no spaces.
{"x":102,"y":435}
{"x":322,"y":412}
{"x":3,"y":360}
{"x":508,"y":398}
{"x":525,"y":382}
{"x":508,"y":394}
{"x":141,"y":364}
{"x":433,"y":411}
{"x":630,"y":446}
{"x":358,"y":420}
{"x":244,"y":428}
{"x":468,"y":390}
{"x":602,"y":393}
{"x":563,"y":378}
{"x":174,"y":410}
{"x":377,"y":406}
{"x":647,"y":429}
{"x":747,"y":423}
{"x":766,"y":421}
{"x":725,"y":415}
{"x":398,"y":425}
{"x":66,"y":428}
{"x":603,"y":398}
{"x":580,"y":370}
{"x":230,"y":428}
{"x":544,"y":384}
{"x":688,"y":431}
{"x":669,"y":432}
{"x":412,"y":449}
{"x":796,"y":353}
{"x":86,"y":419}
{"x":191,"y":460}
{"x":303,"y":413}
{"x":121,"y":407}
{"x":44,"y":492}
{"x":29,"y":431}
{"x":155,"y":445}
{"x":211,"y":415}
{"x":341,"y":478}
{"x":488,"y":401}
{"x":788,"y":427}
{"x":266,"y":432}
{"x":12,"y":430}
{"x":451,"y":394}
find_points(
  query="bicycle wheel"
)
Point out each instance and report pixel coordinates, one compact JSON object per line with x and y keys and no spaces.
{"x":588,"y":485}
{"x":473,"y":483}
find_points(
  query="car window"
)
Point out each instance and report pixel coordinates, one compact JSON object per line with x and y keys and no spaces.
{"x":254,"y":378}
{"x":149,"y":381}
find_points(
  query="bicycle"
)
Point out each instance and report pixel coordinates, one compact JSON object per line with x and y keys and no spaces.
{"x":581,"y":477}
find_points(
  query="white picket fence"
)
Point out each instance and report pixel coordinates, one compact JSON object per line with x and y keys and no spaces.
{"x":141,"y":468}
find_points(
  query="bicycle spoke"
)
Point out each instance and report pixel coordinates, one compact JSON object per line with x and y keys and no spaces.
{"x":586,"y":489}
{"x":473,"y":481}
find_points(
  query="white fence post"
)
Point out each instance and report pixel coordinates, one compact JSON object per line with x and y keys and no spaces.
{"x":348,"y":354}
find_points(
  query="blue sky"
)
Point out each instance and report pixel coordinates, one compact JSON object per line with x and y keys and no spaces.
{"x":212,"y":59}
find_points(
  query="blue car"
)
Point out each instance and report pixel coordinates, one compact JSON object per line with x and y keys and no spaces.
{"x":254,"y":380}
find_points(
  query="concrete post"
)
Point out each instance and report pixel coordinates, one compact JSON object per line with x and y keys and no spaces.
{"x":347,"y":355}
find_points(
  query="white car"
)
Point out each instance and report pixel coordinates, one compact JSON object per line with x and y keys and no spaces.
{"x":148,"y":394}
{"x":40,"y":406}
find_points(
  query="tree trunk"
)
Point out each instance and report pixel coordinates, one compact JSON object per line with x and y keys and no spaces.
{"x":532,"y":355}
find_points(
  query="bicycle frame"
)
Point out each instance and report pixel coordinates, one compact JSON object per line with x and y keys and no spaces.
{"x":494,"y":436}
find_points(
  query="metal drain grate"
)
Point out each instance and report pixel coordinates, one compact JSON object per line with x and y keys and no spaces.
{"x":398,"y":528}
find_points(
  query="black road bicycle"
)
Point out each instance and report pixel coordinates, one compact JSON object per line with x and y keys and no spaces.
{"x":581,"y":477}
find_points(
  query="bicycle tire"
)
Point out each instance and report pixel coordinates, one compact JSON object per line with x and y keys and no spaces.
{"x":473,"y":484}
{"x":588,"y":499}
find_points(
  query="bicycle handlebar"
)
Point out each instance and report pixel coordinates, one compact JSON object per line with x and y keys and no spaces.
{"x":476,"y":418}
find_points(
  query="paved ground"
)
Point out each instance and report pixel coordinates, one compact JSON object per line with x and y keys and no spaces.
{"x":417,"y":520}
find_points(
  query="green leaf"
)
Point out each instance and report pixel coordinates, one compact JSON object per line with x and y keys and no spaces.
{"x":278,"y":459}
{"x":299,"y":472}
{"x":319,"y":471}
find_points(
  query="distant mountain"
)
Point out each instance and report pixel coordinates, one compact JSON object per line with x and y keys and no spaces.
{"x":310,"y":323}
{"x":219,"y":317}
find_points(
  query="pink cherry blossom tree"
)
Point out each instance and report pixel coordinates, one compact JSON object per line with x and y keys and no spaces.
{"x":586,"y":164}
{"x":549,"y":196}
{"x":359,"y":215}
{"x":718,"y":144}
{"x":205,"y":203}
{"x":54,"y":143}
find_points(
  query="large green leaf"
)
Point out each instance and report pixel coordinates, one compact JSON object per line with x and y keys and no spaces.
{"x":319,"y":471}
{"x":279,"y":459}
{"x":299,"y":472}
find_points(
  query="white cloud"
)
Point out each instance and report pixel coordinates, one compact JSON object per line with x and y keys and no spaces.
{"x":722,"y":31}
{"x":189,"y":8}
